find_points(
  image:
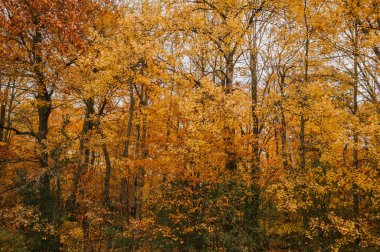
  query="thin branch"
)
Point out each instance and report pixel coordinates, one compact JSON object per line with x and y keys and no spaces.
{"x":18,"y":132}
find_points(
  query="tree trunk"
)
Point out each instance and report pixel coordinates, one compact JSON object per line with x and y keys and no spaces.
{"x":231,"y":162}
{"x":255,"y":169}
{"x":283,"y":131}
{"x":4,"y":101}
{"x":106,"y":197}
{"x":44,"y":109}
{"x":124,"y":195}
{"x":135,"y":188}
{"x":84,"y":150}
{"x":10,"y":109}
{"x":141,"y":153}
{"x":355,"y":187}
{"x":130,"y":121}
{"x":302,"y":147}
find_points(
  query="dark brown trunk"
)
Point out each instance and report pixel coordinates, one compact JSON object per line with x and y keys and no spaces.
{"x":255,"y":169}
{"x":231,"y":162}
{"x":2,"y":121}
{"x":140,"y":153}
{"x":141,"y":175}
{"x":302,"y":148}
{"x":255,"y":118}
{"x":86,"y":235}
{"x":106,"y":197}
{"x":135,"y":198}
{"x":355,"y":187}
{"x":228,"y":81}
{"x":124,"y":194}
{"x":124,"y":199}
{"x":3,"y":105}
{"x":44,"y":109}
{"x":130,"y":121}
{"x":10,"y":109}
{"x":84,"y":150}
{"x":283,"y":131}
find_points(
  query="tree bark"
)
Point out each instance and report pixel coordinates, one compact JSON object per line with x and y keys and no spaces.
{"x":44,"y":109}
{"x":140,"y":153}
{"x":283,"y":131}
{"x":355,"y":187}
{"x":231,"y":162}
{"x":255,"y":168}
{"x":4,"y":101}
{"x":10,"y":109}
{"x":84,"y":149}
{"x":106,"y":197}
{"x":124,"y":194}
{"x":302,"y":148}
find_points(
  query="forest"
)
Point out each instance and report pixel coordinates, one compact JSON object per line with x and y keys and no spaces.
{"x":189,"y":125}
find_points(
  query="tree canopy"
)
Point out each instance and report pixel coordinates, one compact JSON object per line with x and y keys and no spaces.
{"x":189,"y":125}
